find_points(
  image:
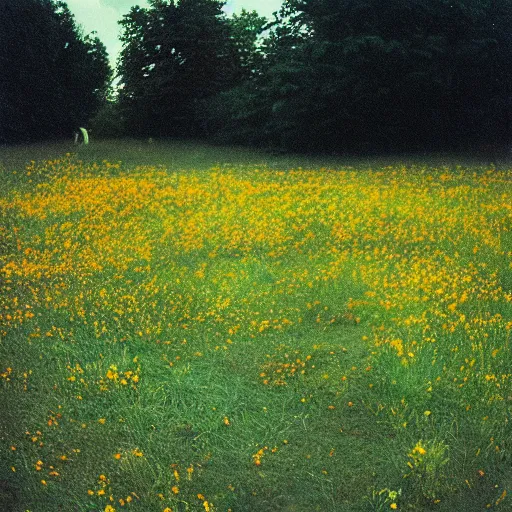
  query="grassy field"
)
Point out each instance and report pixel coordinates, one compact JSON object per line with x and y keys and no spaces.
{"x":186,"y":327}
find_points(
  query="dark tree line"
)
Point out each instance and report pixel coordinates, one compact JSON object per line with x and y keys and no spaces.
{"x":400,"y":73}
{"x":52,"y":77}
{"x":323,"y":74}
{"x":331,"y":75}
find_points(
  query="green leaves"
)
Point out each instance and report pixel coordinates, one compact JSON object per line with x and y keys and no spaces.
{"x":53,"y":78}
{"x":174,"y":56}
{"x":366,"y":75}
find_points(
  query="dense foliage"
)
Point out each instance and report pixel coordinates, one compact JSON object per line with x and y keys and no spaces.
{"x":324,"y":74}
{"x":175,"y":55}
{"x":53,"y":77}
{"x":399,"y":73}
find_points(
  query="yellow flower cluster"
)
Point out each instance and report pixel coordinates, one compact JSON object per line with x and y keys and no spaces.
{"x":415,"y":258}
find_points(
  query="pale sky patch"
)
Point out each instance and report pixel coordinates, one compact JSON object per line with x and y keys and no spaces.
{"x":264,"y":7}
{"x":102,"y":16}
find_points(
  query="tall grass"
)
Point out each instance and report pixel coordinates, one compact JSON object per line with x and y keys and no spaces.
{"x":187,"y":327}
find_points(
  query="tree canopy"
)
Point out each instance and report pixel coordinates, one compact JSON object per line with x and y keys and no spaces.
{"x":366,"y":75}
{"x":396,"y":74}
{"x":333,"y":75}
{"x":53,"y":77}
{"x":175,"y":55}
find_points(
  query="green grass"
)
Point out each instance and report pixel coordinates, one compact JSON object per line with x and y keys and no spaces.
{"x":299,"y":340}
{"x":191,"y":155}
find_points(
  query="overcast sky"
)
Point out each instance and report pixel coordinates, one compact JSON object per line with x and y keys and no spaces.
{"x":103,"y":15}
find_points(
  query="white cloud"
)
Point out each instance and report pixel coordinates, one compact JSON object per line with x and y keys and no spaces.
{"x":102,"y":16}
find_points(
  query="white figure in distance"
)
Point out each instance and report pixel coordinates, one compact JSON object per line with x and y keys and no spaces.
{"x":85,"y":137}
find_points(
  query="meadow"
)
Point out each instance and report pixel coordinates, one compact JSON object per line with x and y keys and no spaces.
{"x":195,"y":328}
